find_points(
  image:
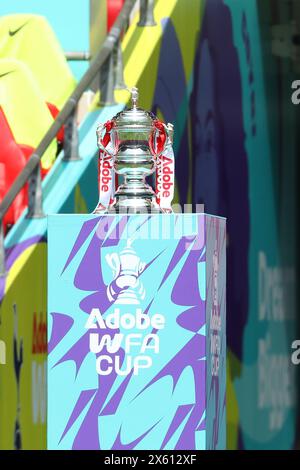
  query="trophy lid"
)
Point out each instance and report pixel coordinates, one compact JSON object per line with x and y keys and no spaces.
{"x":134,"y":117}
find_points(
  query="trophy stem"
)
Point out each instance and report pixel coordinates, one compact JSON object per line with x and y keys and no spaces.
{"x":135,"y":196}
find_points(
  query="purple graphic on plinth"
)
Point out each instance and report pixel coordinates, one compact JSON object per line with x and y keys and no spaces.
{"x":140,"y":362}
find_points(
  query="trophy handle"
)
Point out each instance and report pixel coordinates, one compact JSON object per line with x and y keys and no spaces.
{"x":114,"y":262}
{"x":103,"y":139}
{"x":142,"y":267}
{"x":165,"y":136}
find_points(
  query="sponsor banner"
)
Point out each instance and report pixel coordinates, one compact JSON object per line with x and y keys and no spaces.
{"x":136,"y":332}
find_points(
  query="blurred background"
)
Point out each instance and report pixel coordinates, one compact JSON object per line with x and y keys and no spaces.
{"x":222,"y":72}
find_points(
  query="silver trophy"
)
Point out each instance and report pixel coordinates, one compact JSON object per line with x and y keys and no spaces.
{"x":126,"y":288}
{"x":134,"y":145}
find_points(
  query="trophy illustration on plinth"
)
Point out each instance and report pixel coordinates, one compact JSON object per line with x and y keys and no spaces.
{"x":133,"y":146}
{"x":126,"y":287}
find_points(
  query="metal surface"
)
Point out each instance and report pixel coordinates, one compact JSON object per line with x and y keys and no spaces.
{"x":35,"y":195}
{"x":133,"y":157}
{"x":119,"y":68}
{"x":107,"y":82}
{"x":147,"y":13}
{"x":71,"y":140}
{"x":77,"y":55}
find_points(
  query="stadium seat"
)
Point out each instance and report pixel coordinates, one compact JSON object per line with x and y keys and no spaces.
{"x":30,"y":39}
{"x":113,"y":9}
{"x":24,"y":119}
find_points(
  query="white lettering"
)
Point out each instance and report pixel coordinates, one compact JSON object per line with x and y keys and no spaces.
{"x":151,"y":341}
{"x":141,"y":362}
{"x":112,"y":344}
{"x":105,"y":364}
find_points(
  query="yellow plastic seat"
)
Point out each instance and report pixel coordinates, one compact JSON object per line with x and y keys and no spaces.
{"x":30,"y":39}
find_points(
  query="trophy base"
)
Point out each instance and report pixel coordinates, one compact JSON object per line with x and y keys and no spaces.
{"x":133,"y":206}
{"x":141,"y":200}
{"x":138,"y":200}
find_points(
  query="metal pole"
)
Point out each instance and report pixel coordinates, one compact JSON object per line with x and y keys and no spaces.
{"x":80,"y":55}
{"x":35,"y":196}
{"x":71,"y":140}
{"x":107,"y":82}
{"x":2,"y":251}
{"x":146,"y":13}
{"x":119,"y":67}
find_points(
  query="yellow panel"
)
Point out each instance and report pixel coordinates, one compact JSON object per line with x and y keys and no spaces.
{"x":233,"y":365}
{"x":98,"y":24}
{"x":141,"y":47}
{"x":80,"y":206}
{"x":25,"y":294}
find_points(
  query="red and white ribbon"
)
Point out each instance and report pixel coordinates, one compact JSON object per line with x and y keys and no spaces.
{"x":106,"y":177}
{"x":161,"y":145}
{"x":165,"y":179}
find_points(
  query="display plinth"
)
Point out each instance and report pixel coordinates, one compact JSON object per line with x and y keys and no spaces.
{"x":136,"y":332}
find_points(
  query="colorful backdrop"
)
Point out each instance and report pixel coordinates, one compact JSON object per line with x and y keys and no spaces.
{"x":235,"y":150}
